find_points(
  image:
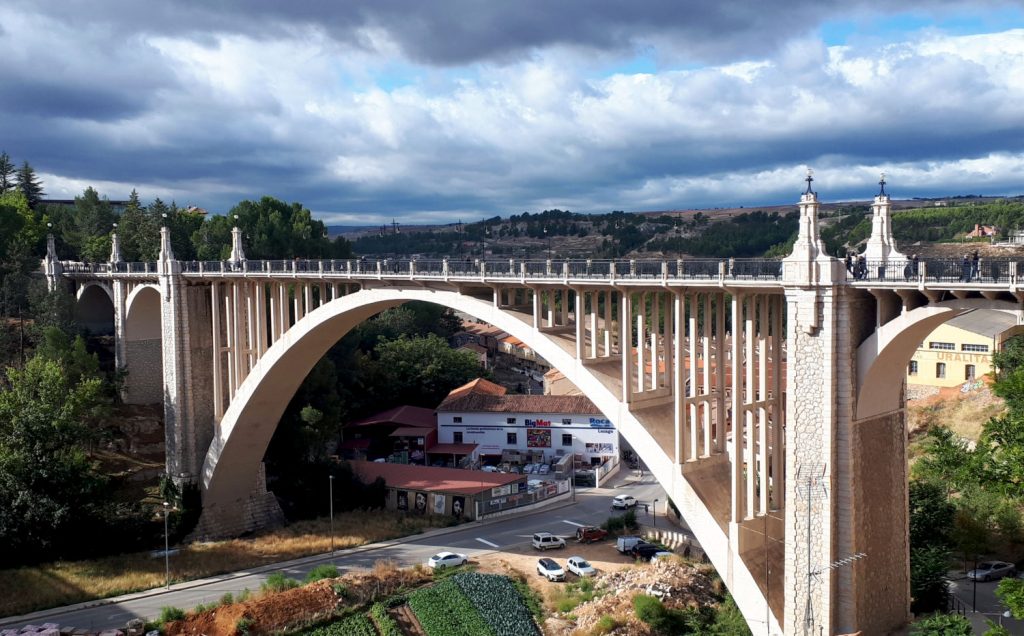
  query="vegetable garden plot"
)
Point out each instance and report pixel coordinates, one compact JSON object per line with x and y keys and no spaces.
{"x":498,"y":602}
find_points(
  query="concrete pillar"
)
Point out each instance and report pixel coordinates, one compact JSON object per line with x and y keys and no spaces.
{"x":52,"y":268}
{"x":881,"y":246}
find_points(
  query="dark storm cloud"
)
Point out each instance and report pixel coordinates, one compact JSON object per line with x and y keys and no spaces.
{"x":457,"y":32}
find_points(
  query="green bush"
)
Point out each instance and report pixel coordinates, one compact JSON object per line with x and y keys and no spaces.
{"x":169,"y":613}
{"x":605,"y":625}
{"x":244,"y":595}
{"x":278,"y":582}
{"x":648,"y":609}
{"x":243,"y":625}
{"x":942,"y":625}
{"x":385,"y":624}
{"x":227,"y":599}
{"x":324,"y":571}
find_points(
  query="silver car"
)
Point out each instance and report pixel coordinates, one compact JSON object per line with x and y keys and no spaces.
{"x":991,"y":571}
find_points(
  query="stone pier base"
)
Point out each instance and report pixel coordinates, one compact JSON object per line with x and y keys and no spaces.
{"x":258,"y":511}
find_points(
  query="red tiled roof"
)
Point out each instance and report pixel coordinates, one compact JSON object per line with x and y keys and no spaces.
{"x":478,"y":386}
{"x":475,"y":402}
{"x":452,"y":449}
{"x":429,"y":478}
{"x":411,"y":431}
{"x":403,"y":415}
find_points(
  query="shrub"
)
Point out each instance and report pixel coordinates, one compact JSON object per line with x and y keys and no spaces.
{"x":278,"y":582}
{"x":243,"y":625}
{"x":385,"y":624}
{"x":324,"y":571}
{"x":355,"y":625}
{"x":648,"y":609}
{"x":169,"y":613}
{"x":942,"y":625}
{"x":244,"y":595}
{"x":340,"y":589}
{"x":227,"y":599}
{"x":605,"y":625}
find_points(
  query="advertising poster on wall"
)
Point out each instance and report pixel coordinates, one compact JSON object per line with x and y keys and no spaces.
{"x":421,"y":502}
{"x":403,"y":500}
{"x":438,"y":504}
{"x":458,"y":506}
{"x":600,"y":449}
{"x":538,"y":438}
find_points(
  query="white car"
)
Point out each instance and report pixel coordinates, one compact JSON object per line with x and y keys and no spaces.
{"x":550,"y":569}
{"x":443,"y":560}
{"x":991,"y":570}
{"x":580,"y":567}
{"x":547,"y":541}
{"x":624,"y":501}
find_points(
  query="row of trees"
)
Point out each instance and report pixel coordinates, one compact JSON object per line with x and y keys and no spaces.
{"x":23,"y":179}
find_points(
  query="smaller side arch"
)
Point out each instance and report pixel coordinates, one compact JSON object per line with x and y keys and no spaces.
{"x":134,"y":293}
{"x":143,"y":346}
{"x":94,"y":308}
{"x":882,"y":358}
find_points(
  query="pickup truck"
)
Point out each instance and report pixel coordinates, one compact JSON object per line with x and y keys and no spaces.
{"x":590,"y":534}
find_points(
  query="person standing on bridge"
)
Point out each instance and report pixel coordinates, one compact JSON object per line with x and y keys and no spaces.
{"x":975,"y":265}
{"x":965,"y":269}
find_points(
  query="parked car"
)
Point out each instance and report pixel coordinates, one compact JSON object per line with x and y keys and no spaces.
{"x":547,"y":541}
{"x":659,"y":555}
{"x":543,"y":469}
{"x":624,"y":501}
{"x":644,"y":551}
{"x":625,"y":544}
{"x":529,"y":469}
{"x":443,"y":560}
{"x":580,"y":567}
{"x":992,"y":570}
{"x":590,"y":534}
{"x":550,"y":569}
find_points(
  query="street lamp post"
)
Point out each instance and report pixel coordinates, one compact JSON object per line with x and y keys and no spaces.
{"x":974,"y":593}
{"x":654,"y":513}
{"x":167,"y":549}
{"x":330,"y":488}
{"x":572,"y":462}
{"x":547,"y":237}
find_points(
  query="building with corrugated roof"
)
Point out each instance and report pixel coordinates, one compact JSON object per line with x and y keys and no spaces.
{"x":961,"y":349}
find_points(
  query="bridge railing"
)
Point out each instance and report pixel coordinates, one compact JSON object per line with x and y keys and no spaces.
{"x":941,"y":270}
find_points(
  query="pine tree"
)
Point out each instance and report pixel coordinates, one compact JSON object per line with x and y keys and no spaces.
{"x":29,"y":184}
{"x":6,"y":172}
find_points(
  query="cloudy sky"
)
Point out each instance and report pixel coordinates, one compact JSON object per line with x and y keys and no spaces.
{"x":434,"y":111}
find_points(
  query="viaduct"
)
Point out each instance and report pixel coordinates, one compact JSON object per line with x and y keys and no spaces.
{"x":767,"y":397}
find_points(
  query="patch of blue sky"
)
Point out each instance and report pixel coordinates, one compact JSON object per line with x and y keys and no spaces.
{"x":897,"y":26}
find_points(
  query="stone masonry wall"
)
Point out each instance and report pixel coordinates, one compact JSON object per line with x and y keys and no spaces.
{"x":144,"y":383}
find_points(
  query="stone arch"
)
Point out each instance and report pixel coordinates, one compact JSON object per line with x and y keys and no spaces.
{"x":243,"y":434}
{"x":882,"y":358}
{"x":94,"y":308}
{"x":143,"y":346}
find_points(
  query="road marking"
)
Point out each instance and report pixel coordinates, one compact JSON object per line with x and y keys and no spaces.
{"x":573,"y":523}
{"x":493,"y":545}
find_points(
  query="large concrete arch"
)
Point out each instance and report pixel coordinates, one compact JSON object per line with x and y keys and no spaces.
{"x":882,"y":358}
{"x":94,"y":308}
{"x":143,"y":346}
{"x":241,"y":438}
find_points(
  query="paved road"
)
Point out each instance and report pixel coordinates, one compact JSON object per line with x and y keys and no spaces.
{"x":987,"y":606}
{"x":475,"y":539}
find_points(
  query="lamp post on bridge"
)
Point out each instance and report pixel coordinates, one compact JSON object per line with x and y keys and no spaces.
{"x":167,"y":551}
{"x":330,"y":490}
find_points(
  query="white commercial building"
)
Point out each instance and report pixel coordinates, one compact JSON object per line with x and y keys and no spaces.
{"x":534,"y":427}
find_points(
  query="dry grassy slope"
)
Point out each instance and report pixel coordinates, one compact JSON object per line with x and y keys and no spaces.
{"x":963,"y":413}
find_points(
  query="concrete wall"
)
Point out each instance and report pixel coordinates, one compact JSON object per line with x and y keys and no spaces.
{"x":144,"y":383}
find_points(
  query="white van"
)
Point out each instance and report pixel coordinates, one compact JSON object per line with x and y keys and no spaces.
{"x":625,"y":544}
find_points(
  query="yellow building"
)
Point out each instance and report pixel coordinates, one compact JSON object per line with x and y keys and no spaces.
{"x":961,"y":349}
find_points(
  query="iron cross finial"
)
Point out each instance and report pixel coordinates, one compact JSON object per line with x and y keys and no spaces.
{"x":809,"y":179}
{"x":881,"y":182}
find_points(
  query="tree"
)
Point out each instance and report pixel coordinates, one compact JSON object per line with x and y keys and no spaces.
{"x":138,"y":231}
{"x":29,"y":184}
{"x":1011,"y":593}
{"x":422,"y":370}
{"x":6,"y":173}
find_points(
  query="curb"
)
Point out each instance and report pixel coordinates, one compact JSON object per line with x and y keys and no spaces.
{"x":10,"y":621}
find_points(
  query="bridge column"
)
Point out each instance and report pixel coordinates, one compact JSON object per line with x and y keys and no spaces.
{"x":845,"y":480}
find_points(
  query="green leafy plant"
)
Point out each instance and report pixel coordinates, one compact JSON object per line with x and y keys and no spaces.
{"x":278,"y":582}
{"x":354,"y":625}
{"x":243,"y":625}
{"x":444,"y":610}
{"x":227,"y":599}
{"x":499,"y":602}
{"x":942,"y":625}
{"x":386,"y":625}
{"x":324,"y":571}
{"x":170,"y":613}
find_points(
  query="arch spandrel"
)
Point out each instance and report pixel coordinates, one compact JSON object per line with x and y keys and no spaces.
{"x":882,"y":359}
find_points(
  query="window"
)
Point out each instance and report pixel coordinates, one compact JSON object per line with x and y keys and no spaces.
{"x":945,"y":346}
{"x":912,"y":368}
{"x":940,"y":369}
{"x":457,"y":419}
{"x":510,"y":420}
{"x":511,"y":438}
{"x":969,"y":372}
{"x":567,"y":421}
{"x":457,"y":437}
{"x":566,"y":439}
{"x":975,"y":348}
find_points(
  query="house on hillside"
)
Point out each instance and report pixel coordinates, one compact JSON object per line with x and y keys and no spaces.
{"x":961,"y":350}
